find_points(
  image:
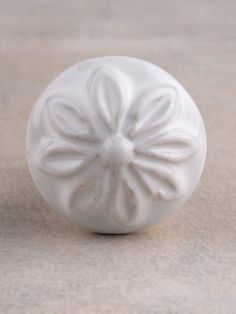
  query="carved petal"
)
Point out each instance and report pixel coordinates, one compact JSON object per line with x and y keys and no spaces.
{"x":60,"y":158}
{"x":109,"y":94}
{"x":158,"y":180}
{"x":65,"y":111}
{"x":157,"y":106}
{"x":175,"y":145}
{"x":87,"y":195}
{"x":125,"y":206}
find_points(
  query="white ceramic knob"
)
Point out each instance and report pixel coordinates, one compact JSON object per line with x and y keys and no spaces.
{"x":115,"y":144}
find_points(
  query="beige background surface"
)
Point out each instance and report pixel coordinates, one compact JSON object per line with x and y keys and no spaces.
{"x":187,"y":263}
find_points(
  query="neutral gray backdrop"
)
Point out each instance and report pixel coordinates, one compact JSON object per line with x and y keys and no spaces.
{"x":186,"y":264}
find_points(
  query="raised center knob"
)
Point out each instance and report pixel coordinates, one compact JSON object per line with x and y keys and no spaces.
{"x":117,"y":151}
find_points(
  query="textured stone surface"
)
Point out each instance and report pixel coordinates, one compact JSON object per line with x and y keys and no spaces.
{"x":187,"y":263}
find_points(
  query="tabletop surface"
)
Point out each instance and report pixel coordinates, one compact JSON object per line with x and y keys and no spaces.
{"x":186,"y":264}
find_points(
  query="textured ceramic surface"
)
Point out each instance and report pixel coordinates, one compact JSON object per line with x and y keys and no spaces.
{"x":115,"y":144}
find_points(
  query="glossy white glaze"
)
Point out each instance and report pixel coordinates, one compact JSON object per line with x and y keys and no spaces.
{"x":115,"y":144}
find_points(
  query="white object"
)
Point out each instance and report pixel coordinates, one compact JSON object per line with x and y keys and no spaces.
{"x":115,"y":144}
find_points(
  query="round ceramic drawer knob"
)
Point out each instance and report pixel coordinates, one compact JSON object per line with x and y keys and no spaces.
{"x":115,"y":144}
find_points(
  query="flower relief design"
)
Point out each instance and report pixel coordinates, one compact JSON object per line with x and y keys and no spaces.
{"x":134,"y":152}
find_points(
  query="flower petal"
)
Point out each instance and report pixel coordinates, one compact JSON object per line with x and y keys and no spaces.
{"x":87,"y":195}
{"x":59,"y":158}
{"x":174,"y":145}
{"x":109,"y":94}
{"x":125,"y":208}
{"x":66,"y":113}
{"x":158,"y":180}
{"x":157,"y":106}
